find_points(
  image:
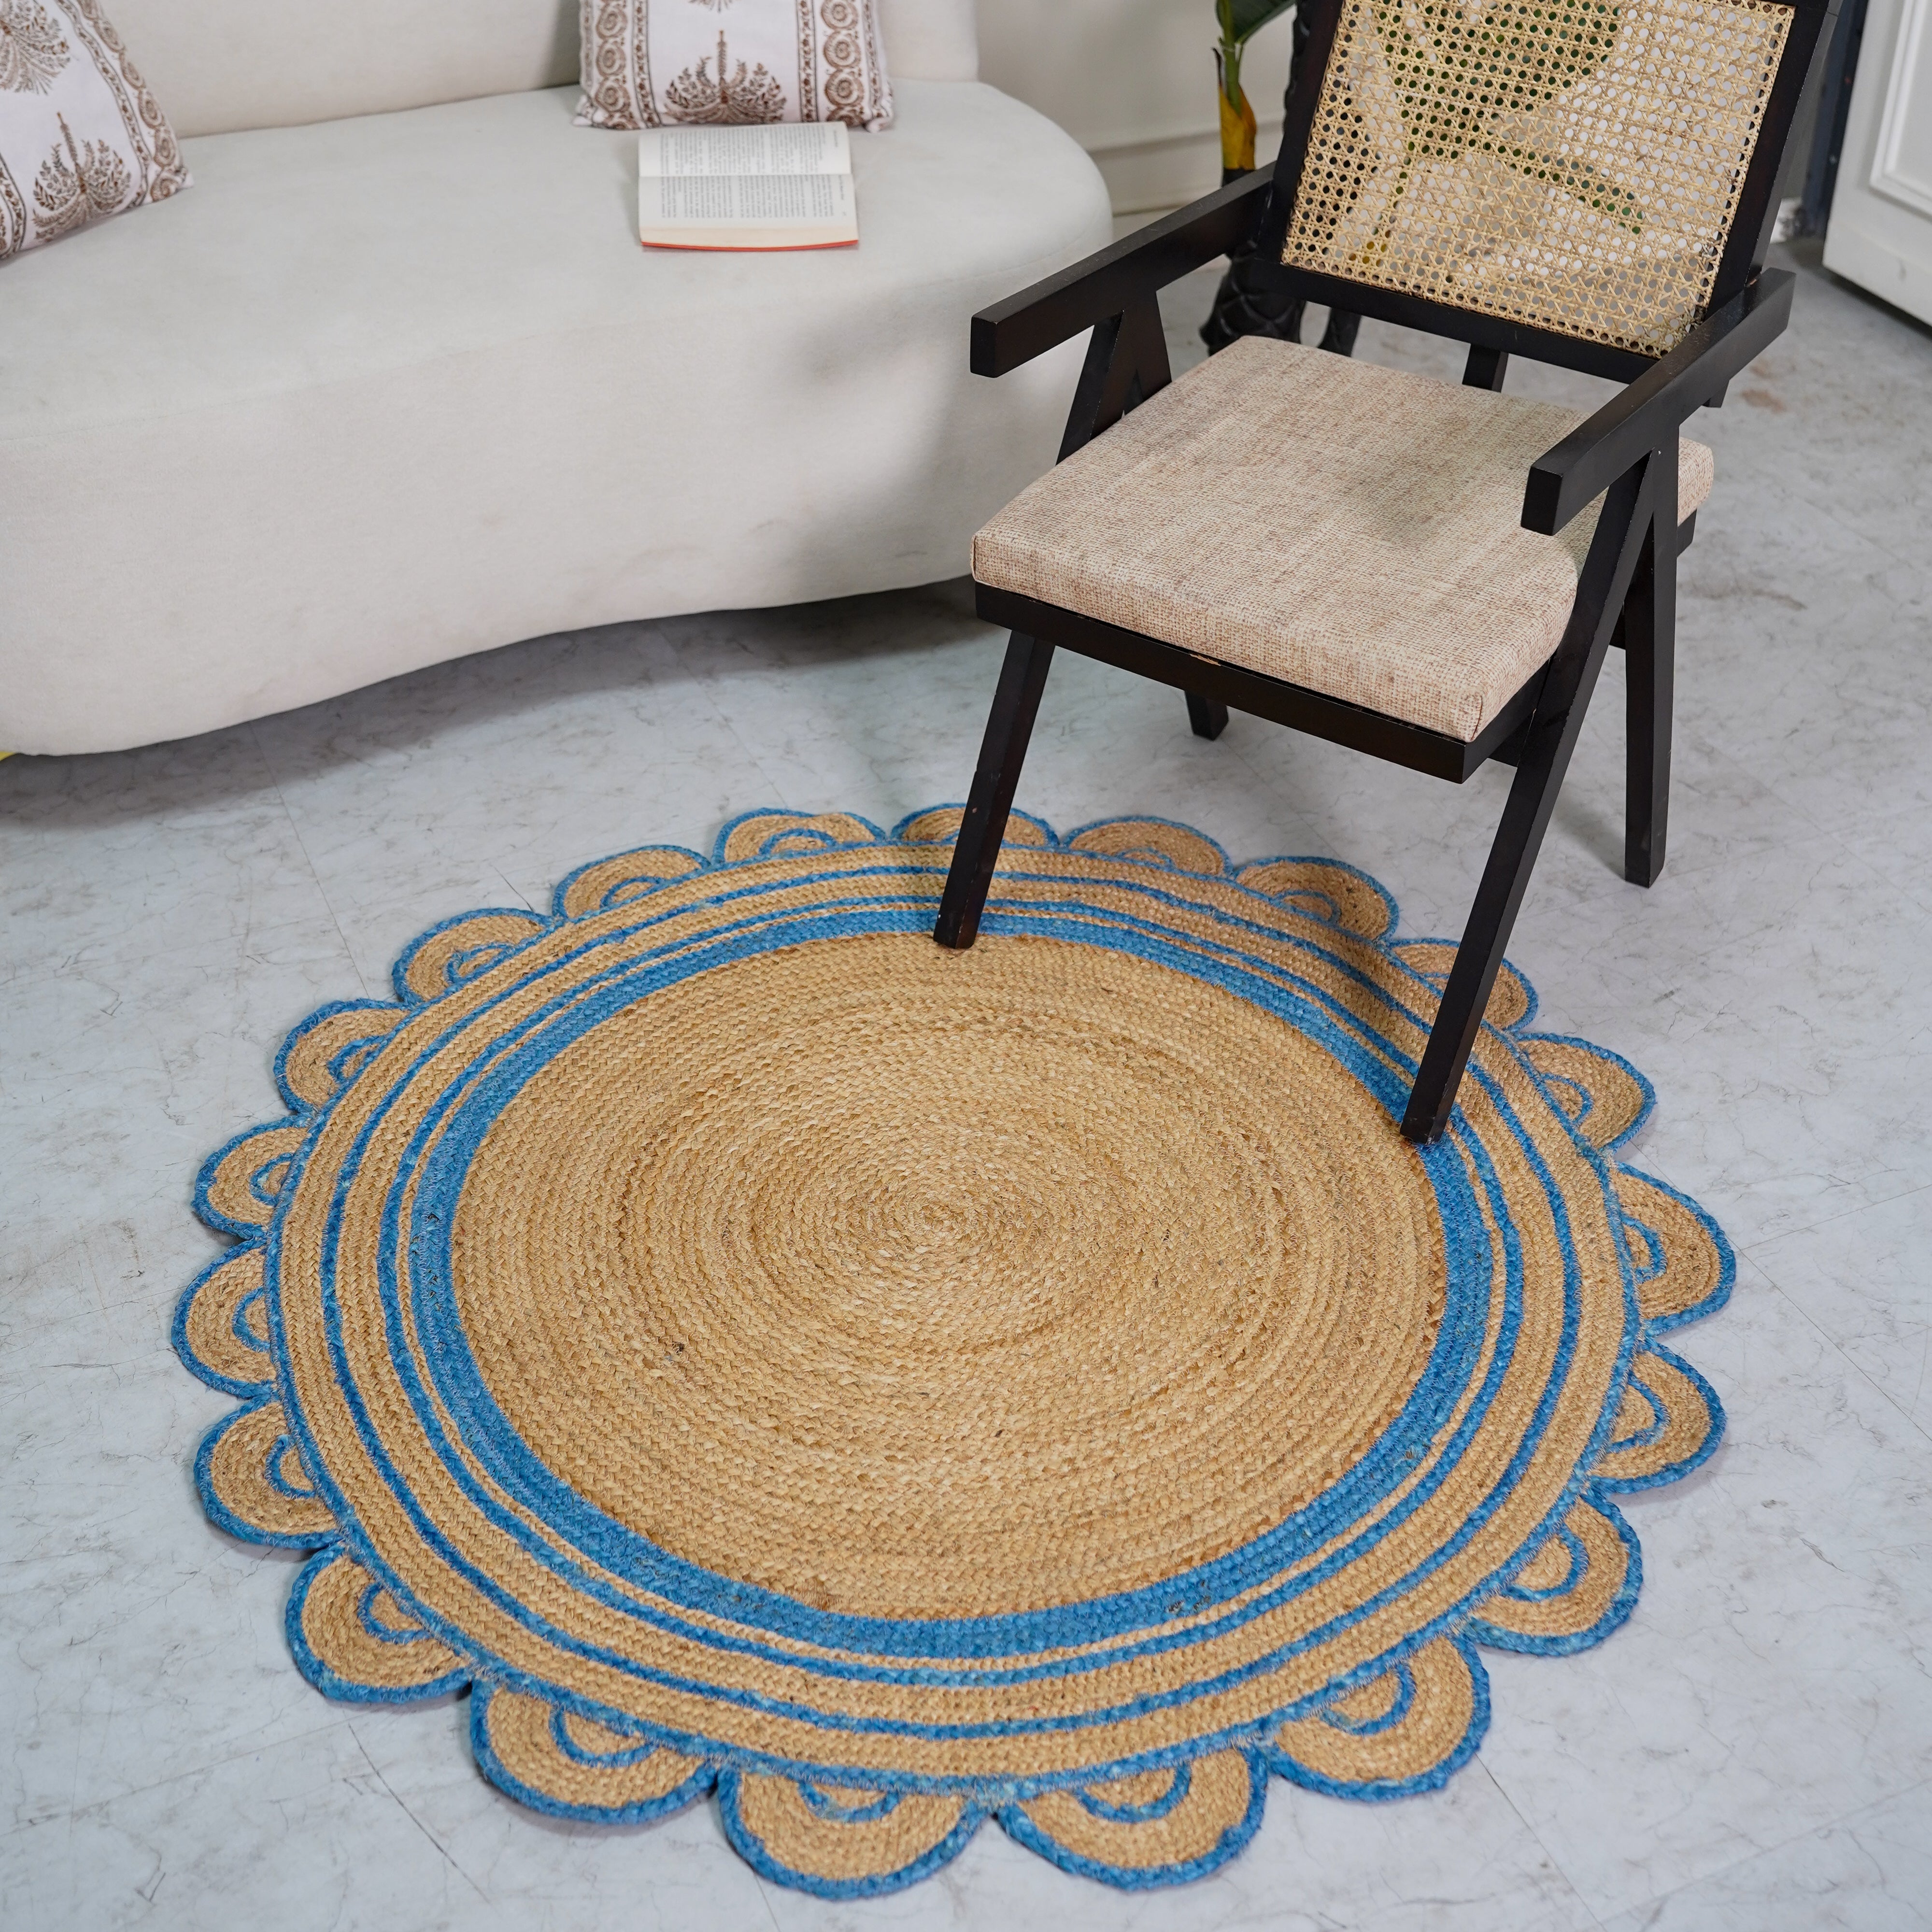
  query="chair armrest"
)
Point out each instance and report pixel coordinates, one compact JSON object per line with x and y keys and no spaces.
{"x":1650,"y":412}
{"x":1136,"y":267}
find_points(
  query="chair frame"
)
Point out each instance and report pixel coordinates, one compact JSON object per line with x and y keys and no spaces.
{"x":1626,"y":595}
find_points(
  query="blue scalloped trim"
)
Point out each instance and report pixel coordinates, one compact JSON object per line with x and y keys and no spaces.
{"x":1375,"y":1791}
{"x":900,"y":836}
{"x":178,"y":1341}
{"x":1384,"y":938}
{"x":1019,"y":1827}
{"x":752,"y":1849}
{"x":1371,"y":1727}
{"x":1660,"y":1415}
{"x":1159,"y":862}
{"x":1580,"y":1568}
{"x":399,"y":973}
{"x":559,"y":915}
{"x":1727,"y":1261}
{"x":222,"y":1517}
{"x":975,"y":1786}
{"x":1676,"y":1471}
{"x":645,"y":1747}
{"x":296,"y":1105}
{"x":799,"y":827}
{"x":205,"y":1210}
{"x":1590,"y":1046}
{"x":238,"y":1325}
{"x":279,"y":1450}
{"x":1181,"y":1781}
{"x":697,"y":1786}
{"x":1616,"y":1613}
{"x":1517,"y":1029}
{"x":1654,"y":1263}
{"x":821,"y":1804}
{"x":381,"y":1632}
{"x":343,"y":1689}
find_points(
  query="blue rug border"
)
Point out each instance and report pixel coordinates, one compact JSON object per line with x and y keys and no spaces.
{"x":723,"y":1766}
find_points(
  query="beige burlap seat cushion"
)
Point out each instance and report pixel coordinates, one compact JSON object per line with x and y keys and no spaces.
{"x":1350,"y":528}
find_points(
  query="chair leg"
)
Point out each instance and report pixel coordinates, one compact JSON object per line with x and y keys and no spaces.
{"x":1207,"y":719}
{"x":1650,"y":652}
{"x":1532,"y":799}
{"x":1015,"y":704}
{"x":1338,"y":336}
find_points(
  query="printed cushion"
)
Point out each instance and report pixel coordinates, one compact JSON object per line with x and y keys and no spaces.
{"x":81,"y":137}
{"x":724,"y":63}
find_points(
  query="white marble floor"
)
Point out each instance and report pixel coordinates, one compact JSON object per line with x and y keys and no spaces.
{"x":1753,"y":1751}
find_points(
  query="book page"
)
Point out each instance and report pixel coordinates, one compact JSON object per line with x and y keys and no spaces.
{"x":781,"y":185}
{"x":750,"y":201}
{"x":779,"y":147}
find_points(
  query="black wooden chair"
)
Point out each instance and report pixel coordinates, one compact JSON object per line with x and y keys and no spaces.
{"x":1336,"y":547}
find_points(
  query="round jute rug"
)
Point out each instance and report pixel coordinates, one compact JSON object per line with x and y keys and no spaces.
{"x":752,"y":1350}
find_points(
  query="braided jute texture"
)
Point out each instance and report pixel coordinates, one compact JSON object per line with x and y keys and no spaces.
{"x":754,"y":1351}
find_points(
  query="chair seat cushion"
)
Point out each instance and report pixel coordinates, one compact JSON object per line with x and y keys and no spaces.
{"x":1349,"y":528}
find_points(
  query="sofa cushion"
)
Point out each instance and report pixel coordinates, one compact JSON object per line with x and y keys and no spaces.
{"x":81,"y":136}
{"x":224,"y":65}
{"x":406,"y":386}
{"x":650,"y":64}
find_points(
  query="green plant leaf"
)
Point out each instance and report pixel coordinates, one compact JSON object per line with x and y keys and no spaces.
{"x":1240,"y":20}
{"x":1589,"y":185}
{"x":1527,"y":52}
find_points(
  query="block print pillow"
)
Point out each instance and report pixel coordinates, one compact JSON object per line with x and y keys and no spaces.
{"x":80,"y":136}
{"x":673,"y":63}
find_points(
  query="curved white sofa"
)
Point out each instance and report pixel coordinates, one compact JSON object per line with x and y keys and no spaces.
{"x":394,"y":381}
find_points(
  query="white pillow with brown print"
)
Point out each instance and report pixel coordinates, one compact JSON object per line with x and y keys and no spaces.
{"x":722,"y":63}
{"x":81,"y":137}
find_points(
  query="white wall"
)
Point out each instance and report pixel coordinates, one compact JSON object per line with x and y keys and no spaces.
{"x":1133,"y":81}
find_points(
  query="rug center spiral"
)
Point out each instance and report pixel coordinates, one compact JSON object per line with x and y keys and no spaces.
{"x":917,"y":1285}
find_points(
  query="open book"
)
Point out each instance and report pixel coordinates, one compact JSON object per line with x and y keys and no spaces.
{"x":780,"y":185}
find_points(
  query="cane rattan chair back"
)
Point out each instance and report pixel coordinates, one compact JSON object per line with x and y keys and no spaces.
{"x":1580,"y":168}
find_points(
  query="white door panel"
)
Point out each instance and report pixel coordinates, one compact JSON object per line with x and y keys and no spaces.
{"x":1880,"y":235}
